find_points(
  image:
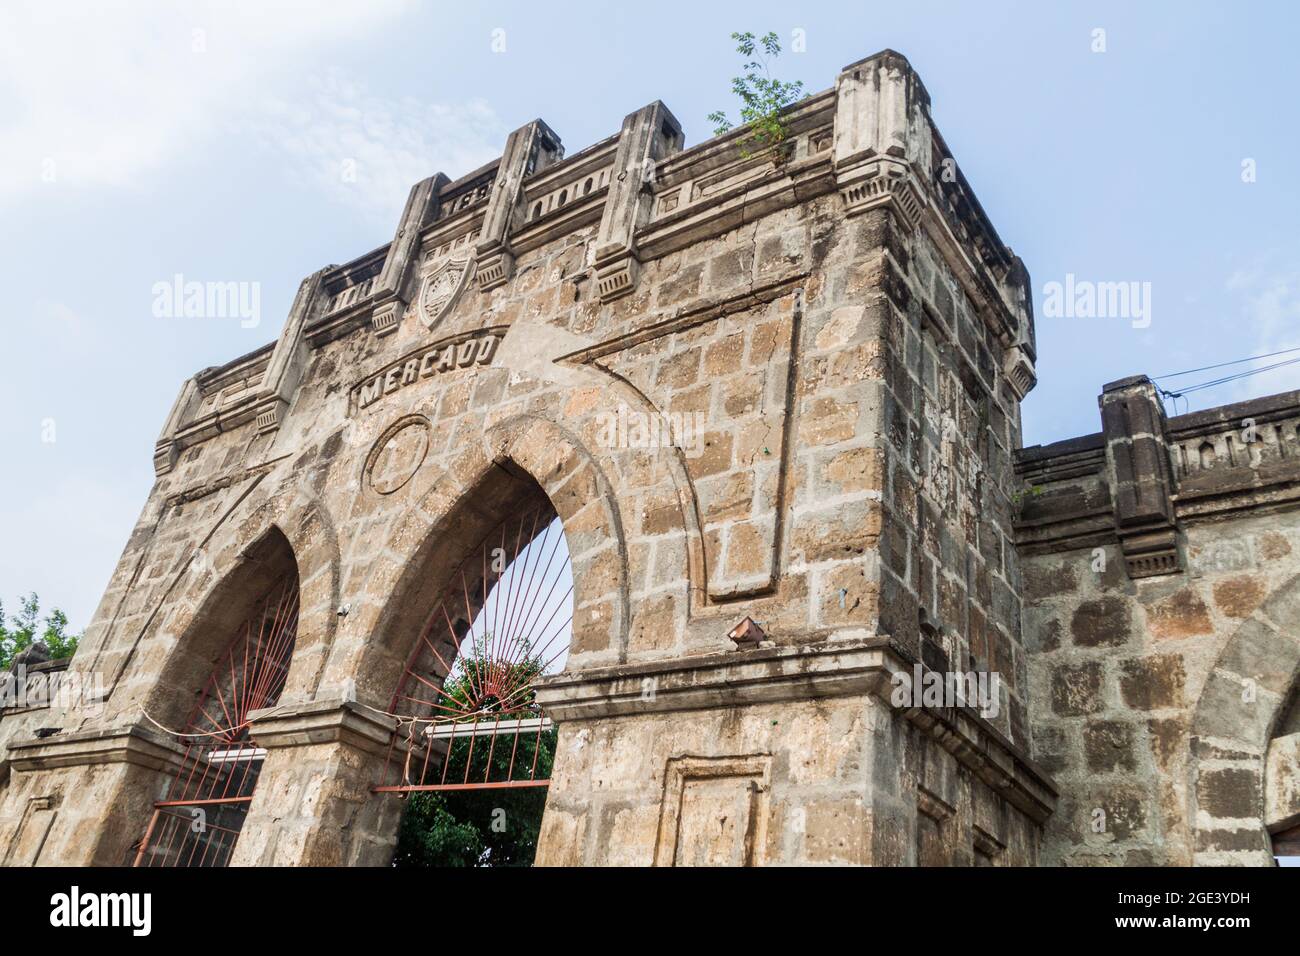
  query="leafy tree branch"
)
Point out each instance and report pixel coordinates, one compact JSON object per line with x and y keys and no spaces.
{"x":762,"y":97}
{"x":26,"y":628}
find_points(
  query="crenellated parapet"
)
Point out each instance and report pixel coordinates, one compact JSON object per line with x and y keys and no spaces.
{"x":1140,"y":480}
{"x":648,"y":135}
{"x":636,"y":197}
{"x":780,"y":387}
{"x":529,"y":150}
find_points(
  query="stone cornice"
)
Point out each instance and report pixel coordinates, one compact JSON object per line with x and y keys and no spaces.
{"x":767,"y":675}
{"x":832,"y":669}
{"x":133,"y":745}
{"x":1256,"y":489}
{"x":1068,"y":500}
{"x":744,"y":200}
{"x":322,"y":722}
{"x":721,"y":151}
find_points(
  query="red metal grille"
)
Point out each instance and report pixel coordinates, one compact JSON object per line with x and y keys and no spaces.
{"x":201,"y":816}
{"x":468,"y":717}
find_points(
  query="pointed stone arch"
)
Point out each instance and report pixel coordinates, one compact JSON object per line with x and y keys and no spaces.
{"x":588,"y":506}
{"x":307,"y":524}
{"x":207,"y":632}
{"x":233,"y":658}
{"x":343,"y":735}
{"x":229,"y":562}
{"x":523,"y":456}
{"x":1236,"y":716}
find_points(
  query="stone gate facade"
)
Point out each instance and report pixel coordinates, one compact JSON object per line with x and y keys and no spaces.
{"x":835,"y":341}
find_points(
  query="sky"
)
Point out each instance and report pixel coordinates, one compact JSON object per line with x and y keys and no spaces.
{"x":256,"y":142}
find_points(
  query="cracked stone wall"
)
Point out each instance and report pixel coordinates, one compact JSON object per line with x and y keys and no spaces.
{"x":838,"y":341}
{"x":1163,"y":704}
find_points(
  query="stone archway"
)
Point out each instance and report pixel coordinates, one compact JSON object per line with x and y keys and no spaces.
{"x":525,"y":464}
{"x":521,"y":450}
{"x":200,"y":632}
{"x":229,"y":563}
{"x":306,"y":526}
{"x":310,"y":530}
{"x":328,"y":753}
{"x":1236,"y":717}
{"x":584,"y":498}
{"x":233,"y":658}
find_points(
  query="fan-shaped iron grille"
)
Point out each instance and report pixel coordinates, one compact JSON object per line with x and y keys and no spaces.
{"x":468,"y":717}
{"x":199,"y":819}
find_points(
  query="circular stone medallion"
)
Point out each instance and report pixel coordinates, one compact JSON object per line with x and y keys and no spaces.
{"x":397,"y":454}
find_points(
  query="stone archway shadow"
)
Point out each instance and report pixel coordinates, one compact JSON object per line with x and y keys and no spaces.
{"x":466,"y":495}
{"x":1239,"y":709}
{"x":307,"y":529}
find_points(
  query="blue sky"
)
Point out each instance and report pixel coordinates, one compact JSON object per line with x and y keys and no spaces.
{"x":139,"y":141}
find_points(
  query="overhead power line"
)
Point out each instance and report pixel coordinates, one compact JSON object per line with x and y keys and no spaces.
{"x":1238,"y":375}
{"x":1206,"y":368}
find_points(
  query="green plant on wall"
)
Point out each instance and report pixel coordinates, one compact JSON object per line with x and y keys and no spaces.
{"x":762,"y":98}
{"x":1019,"y":496}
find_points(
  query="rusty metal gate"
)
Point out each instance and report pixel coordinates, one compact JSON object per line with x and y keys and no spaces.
{"x":199,"y":819}
{"x":465,"y":704}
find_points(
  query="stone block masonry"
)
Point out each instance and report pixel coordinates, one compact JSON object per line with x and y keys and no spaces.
{"x":1161,"y":565}
{"x":849,"y":341}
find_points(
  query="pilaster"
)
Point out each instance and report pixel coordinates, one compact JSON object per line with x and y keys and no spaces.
{"x":1142,"y":480}
{"x":394,"y":289}
{"x":647,"y":136}
{"x":882,"y":136}
{"x":289,"y":358}
{"x":167,"y":451}
{"x":529,"y":149}
{"x":313,"y":805}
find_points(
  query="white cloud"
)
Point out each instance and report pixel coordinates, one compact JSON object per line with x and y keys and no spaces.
{"x":1266,"y":320}
{"x":104,"y":93}
{"x":61,"y":322}
{"x":367,"y":151}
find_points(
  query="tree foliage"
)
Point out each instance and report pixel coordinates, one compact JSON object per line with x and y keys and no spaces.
{"x":490,"y":827}
{"x":26,"y":628}
{"x":497,"y":827}
{"x":762,"y":98}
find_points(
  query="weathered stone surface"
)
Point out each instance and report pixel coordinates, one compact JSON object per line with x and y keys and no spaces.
{"x":1104,"y":622}
{"x":1182,"y":614}
{"x":1076,"y":689}
{"x":1282,"y":780}
{"x":1229,"y":793}
{"x":1238,"y":596}
{"x":783,"y":392}
{"x":1108,"y":746}
{"x":1044,"y":582}
{"x":1152,"y":683}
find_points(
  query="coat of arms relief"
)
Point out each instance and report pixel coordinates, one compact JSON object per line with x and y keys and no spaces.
{"x":441,"y":288}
